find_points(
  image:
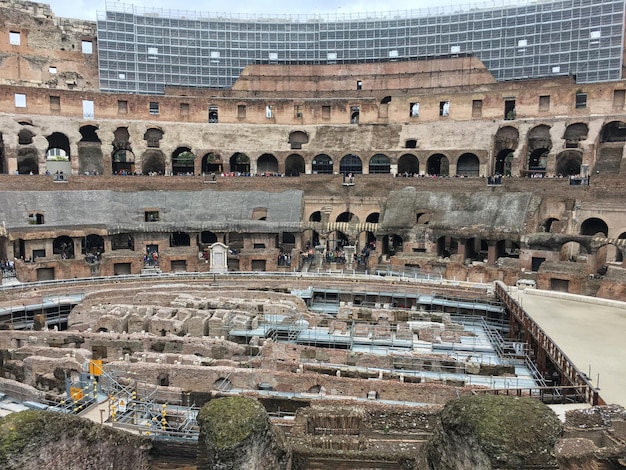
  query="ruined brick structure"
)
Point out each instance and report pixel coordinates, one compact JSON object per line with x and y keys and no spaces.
{"x":456,"y":174}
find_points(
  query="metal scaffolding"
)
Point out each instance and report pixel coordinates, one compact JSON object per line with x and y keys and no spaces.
{"x":142,"y":51}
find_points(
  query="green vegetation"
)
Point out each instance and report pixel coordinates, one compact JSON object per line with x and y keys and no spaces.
{"x":229,"y":421}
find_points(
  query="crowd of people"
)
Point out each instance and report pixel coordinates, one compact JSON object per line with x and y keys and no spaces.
{"x":8,"y":268}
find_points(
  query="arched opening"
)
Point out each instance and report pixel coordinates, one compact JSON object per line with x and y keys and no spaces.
{"x":438,"y":165}
{"x":392,"y":244}
{"x":547,"y":225}
{"x":468,"y":165}
{"x":608,"y":254}
{"x":60,"y":142}
{"x":183,"y":162}
{"x":267,"y":164}
{"x":322,"y":165}
{"x":179,"y":239}
{"x":350,"y":164}
{"x":315,"y":217}
{"x":594,"y":226}
{"x":298,"y":138}
{"x":163,"y":380}
{"x":614,"y":131}
{"x":447,"y":246}
{"x":572,"y":251}
{"x":574,"y":134}
{"x":240,"y":163}
{"x":294,"y":165}
{"x":568,"y":163}
{"x":90,"y":152}
{"x":153,"y":137}
{"x":347,"y":217}
{"x":92,"y":244}
{"x":422,"y":218}
{"x":539,"y":146}
{"x":222,"y":384}
{"x":63,"y":246}
{"x":27,"y":161}
{"x":373,"y":218}
{"x":408,"y":165}
{"x":153,"y":163}
{"x":310,"y":239}
{"x":123,"y":162}
{"x":366,"y":243}
{"x":212,"y":163}
{"x":336,"y":241}
{"x":208,"y":238}
{"x":504,"y":162}
{"x":122,"y":158}
{"x":379,"y":163}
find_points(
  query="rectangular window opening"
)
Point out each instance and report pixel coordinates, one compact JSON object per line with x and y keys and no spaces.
{"x":544,"y":103}
{"x":581,"y":100}
{"x":213,"y":114}
{"x":15,"y":38}
{"x":241,"y":111}
{"x":618,"y":99}
{"x":444,"y":108}
{"x":87,"y":47}
{"x":477,"y":108}
{"x":154,"y":107}
{"x":122,"y":107}
{"x":325,"y":112}
{"x":20,"y":100}
{"x":184,"y":110}
{"x":414,"y":110}
{"x":509,"y":110}
{"x":151,"y":215}
{"x":55,"y":103}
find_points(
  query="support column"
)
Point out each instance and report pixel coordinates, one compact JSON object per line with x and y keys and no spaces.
{"x":492,"y":252}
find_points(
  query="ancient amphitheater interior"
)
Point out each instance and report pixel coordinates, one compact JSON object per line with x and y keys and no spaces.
{"x":394,"y":254}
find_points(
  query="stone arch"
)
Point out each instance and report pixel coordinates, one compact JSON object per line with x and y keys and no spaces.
{"x":614,"y":131}
{"x":350,"y":164}
{"x":373,"y":218}
{"x":504,"y":163}
{"x":122,"y":158}
{"x":547,"y":225}
{"x":438,"y":164}
{"x":153,"y":162}
{"x":58,"y":140}
{"x":92,"y":244}
{"x":507,"y":137}
{"x":239,"y":163}
{"x":267,"y":163}
{"x":447,"y":246}
{"x":594,"y":226}
{"x":183,"y":161}
{"x":294,"y":165}
{"x":347,"y":217}
{"x":223,"y":384}
{"x":322,"y":165}
{"x":153,"y":137}
{"x":539,"y":144}
{"x":90,"y":151}
{"x":315,"y":216}
{"x":468,"y":165}
{"x":297,"y":139}
{"x":63,"y":246}
{"x":408,"y":165}
{"x":507,"y":249}
{"x":379,"y":163}
{"x":568,"y":163}
{"x":212,"y":163}
{"x":571,"y":251}
{"x":575,"y":133}
{"x":608,"y":253}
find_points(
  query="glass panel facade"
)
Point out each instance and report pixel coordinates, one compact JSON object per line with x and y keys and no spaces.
{"x":517,"y":40}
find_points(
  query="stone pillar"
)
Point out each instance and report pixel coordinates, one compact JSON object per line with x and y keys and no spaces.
{"x":492,"y":252}
{"x":308,"y":168}
{"x":462,"y":248}
{"x":350,"y":251}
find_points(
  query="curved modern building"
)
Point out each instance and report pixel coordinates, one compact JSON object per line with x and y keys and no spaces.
{"x":142,"y":51}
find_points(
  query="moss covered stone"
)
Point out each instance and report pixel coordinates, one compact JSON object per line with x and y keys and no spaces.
{"x":229,"y":421}
{"x":485,"y":432}
{"x":236,"y":433}
{"x":44,"y":439}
